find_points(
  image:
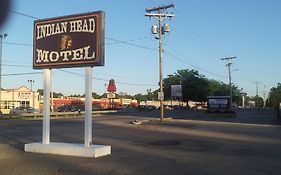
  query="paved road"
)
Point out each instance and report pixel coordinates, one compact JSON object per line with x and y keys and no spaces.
{"x":250,"y":116}
{"x":179,"y":146}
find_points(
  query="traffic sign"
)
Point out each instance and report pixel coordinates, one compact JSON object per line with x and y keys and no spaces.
{"x":160,"y":95}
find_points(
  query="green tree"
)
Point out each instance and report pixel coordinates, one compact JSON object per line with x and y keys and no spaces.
{"x":55,"y":94}
{"x":95,"y":95}
{"x":123,"y":95}
{"x":194,"y":85}
{"x":275,"y":96}
{"x":40,"y":91}
{"x":140,"y":97}
{"x":77,"y":95}
{"x":218,"y":88}
{"x":197,"y":87}
{"x":151,"y":95}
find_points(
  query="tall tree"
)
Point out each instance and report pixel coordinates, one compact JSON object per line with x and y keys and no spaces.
{"x":275,"y":96}
{"x":197,"y":87}
{"x":194,"y":85}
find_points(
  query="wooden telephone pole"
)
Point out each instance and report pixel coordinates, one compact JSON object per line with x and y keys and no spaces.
{"x":160,"y":30}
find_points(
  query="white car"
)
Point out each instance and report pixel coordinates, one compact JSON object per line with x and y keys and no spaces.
{"x":23,"y":109}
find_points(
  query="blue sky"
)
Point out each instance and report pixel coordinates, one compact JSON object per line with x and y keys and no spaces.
{"x":202,"y":32}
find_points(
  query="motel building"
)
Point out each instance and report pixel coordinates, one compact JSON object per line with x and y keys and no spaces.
{"x":22,"y":96}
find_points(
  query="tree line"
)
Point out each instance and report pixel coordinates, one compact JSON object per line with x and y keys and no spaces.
{"x":195,"y":87}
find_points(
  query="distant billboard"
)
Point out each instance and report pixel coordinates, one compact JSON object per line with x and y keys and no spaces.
{"x":176,"y":90}
{"x":69,"y":41}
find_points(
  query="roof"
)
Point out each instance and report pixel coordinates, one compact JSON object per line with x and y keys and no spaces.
{"x":22,"y":88}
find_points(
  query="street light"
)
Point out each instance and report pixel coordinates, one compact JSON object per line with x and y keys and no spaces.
{"x":2,"y":36}
{"x":31,"y":83}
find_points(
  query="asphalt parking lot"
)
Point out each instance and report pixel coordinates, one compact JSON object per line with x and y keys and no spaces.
{"x":191,"y":143}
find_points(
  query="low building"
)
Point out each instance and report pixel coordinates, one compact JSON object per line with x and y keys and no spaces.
{"x":22,"y":96}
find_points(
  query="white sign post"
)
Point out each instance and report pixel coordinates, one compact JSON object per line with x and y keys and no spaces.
{"x":88,"y":107}
{"x":46,"y":102}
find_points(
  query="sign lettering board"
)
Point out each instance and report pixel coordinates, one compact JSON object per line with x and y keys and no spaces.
{"x":176,"y":90}
{"x":69,"y":41}
{"x":24,"y":95}
{"x":111,"y":95}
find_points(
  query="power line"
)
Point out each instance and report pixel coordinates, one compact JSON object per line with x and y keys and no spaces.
{"x":126,"y":42}
{"x":116,"y":42}
{"x":119,"y":41}
{"x":123,"y":77}
{"x":18,"y":44}
{"x":106,"y":80}
{"x":132,"y":40}
{"x":183,"y":59}
{"x":19,"y":13}
{"x":16,"y":74}
{"x":202,"y":35}
{"x":14,"y":65}
{"x":192,"y":65}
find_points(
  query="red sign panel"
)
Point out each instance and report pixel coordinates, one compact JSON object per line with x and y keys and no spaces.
{"x":111,"y":86}
{"x":69,"y":41}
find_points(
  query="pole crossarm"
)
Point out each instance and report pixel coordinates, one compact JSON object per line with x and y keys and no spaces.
{"x":163,"y":7}
{"x":228,"y":58}
{"x":160,"y":15}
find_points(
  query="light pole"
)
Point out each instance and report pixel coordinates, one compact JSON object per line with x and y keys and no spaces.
{"x":243,"y":94}
{"x":31,"y":83}
{"x":2,"y":36}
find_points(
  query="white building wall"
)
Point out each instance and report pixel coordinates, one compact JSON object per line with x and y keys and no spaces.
{"x":11,"y":98}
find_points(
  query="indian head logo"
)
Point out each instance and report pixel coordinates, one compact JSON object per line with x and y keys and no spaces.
{"x":65,"y":42}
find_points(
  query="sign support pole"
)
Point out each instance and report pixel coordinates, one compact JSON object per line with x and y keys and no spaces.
{"x":88,"y":107}
{"x":46,"y":102}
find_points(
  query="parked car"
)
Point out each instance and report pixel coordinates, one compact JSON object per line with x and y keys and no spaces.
{"x":23,"y":109}
{"x":147,"y":107}
{"x":66,"y":108}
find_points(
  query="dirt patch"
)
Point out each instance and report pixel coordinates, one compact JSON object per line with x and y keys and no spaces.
{"x":7,"y":152}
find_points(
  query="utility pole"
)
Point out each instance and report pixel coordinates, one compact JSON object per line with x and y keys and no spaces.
{"x":2,"y":36}
{"x":229,"y":63}
{"x":264,"y":97}
{"x":257,"y":93}
{"x":160,"y":30}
